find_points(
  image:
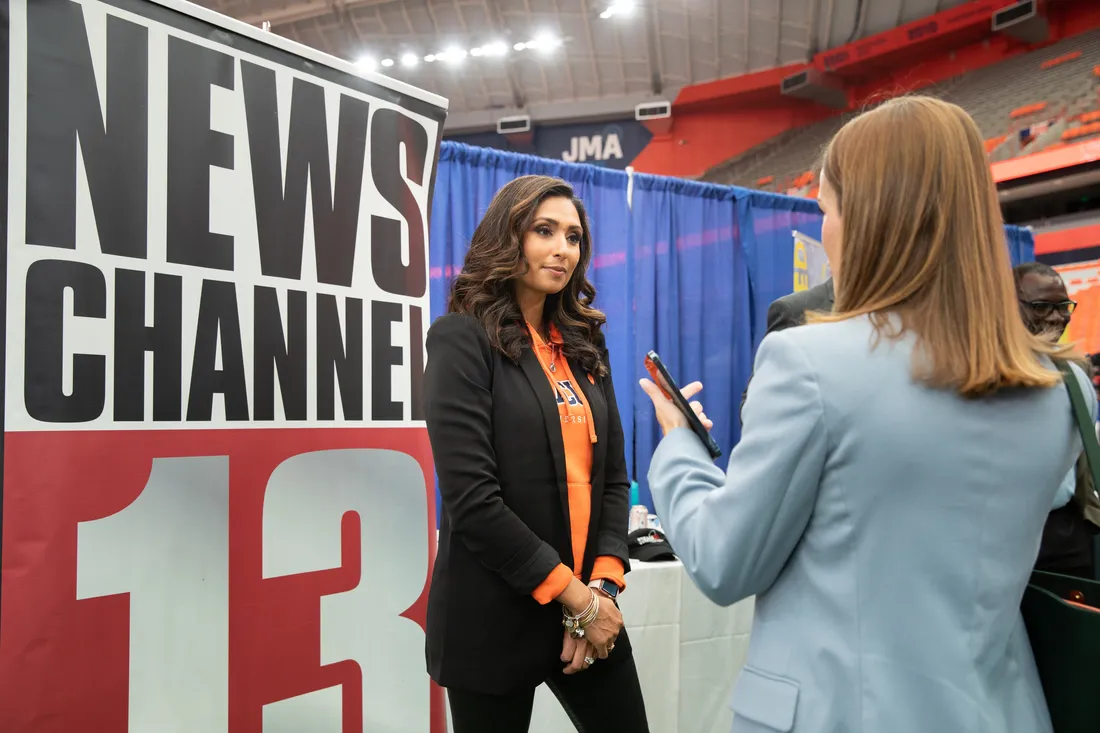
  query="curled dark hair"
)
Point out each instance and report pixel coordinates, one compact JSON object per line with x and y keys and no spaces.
{"x":485,"y":287}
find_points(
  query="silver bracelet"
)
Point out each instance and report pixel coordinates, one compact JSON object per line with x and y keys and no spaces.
{"x":576,"y":625}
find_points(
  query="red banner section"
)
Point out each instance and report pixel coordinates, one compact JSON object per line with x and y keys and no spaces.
{"x":206,"y":577}
{"x":963,"y":17}
{"x":1066,"y":240}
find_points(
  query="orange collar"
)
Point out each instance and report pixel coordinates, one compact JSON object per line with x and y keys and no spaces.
{"x":554,"y":333}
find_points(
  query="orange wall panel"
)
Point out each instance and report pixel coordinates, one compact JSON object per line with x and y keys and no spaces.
{"x":1083,"y":284}
{"x":703,"y":139}
{"x":1044,"y":161}
{"x":1084,"y":328}
{"x":1065,"y":240}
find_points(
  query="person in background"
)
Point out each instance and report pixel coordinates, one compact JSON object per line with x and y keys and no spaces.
{"x":790,"y":310}
{"x":529,"y":453}
{"x":1044,"y":303}
{"x":898,"y":459}
{"x":1068,"y":535}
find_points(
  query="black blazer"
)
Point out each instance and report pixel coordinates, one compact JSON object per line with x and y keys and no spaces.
{"x":790,"y":311}
{"x":496,"y":439}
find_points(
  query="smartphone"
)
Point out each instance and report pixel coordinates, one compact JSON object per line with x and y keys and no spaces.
{"x":668,"y":385}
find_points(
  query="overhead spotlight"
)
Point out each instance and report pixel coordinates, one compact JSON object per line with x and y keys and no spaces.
{"x":475,"y":51}
{"x":453,"y":55}
{"x":410,"y":59}
{"x":496,"y":48}
{"x":618,"y":7}
{"x":544,"y":42}
{"x":387,"y":62}
{"x":520,"y":46}
{"x":430,"y":58}
{"x":366,"y":63}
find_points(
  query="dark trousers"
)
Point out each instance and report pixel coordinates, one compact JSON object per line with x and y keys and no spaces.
{"x":604,"y":697}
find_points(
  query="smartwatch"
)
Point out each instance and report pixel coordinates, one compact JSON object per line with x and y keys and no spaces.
{"x":606,"y":586}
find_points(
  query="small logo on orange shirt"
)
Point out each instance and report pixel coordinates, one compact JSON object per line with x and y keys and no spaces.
{"x":571,"y":396}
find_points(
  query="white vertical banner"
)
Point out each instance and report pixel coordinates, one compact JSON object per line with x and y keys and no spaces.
{"x":217,"y":496}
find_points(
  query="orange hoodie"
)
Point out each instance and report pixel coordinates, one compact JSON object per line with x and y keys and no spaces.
{"x":578,"y":432}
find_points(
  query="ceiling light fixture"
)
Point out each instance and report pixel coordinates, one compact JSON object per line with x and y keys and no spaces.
{"x":544,"y":42}
{"x":453,"y":55}
{"x":618,"y":7}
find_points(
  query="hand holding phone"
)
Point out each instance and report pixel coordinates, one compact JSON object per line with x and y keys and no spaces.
{"x":671,"y":390}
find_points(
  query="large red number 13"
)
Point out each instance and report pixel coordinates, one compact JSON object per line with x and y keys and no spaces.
{"x":169,"y":550}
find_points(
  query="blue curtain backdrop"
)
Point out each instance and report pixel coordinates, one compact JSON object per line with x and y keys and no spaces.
{"x":1021,"y":244}
{"x":684,"y":268}
{"x":692,"y":300}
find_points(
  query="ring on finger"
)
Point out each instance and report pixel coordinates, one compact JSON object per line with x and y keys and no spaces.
{"x":589,"y":661}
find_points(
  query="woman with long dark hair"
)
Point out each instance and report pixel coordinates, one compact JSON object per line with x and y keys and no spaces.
{"x":529,"y":453}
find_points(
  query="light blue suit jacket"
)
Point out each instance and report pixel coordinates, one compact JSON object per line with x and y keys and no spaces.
{"x":887,"y":530}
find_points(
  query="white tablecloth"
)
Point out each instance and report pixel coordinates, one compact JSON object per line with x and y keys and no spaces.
{"x":688,"y":651}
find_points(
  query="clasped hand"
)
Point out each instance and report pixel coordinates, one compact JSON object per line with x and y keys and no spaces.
{"x":598,"y":640}
{"x":669,"y":416}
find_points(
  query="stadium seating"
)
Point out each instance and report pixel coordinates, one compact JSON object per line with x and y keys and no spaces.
{"x":1031,"y":102}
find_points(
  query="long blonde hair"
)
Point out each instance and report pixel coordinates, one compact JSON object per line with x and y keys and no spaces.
{"x":923,"y":238}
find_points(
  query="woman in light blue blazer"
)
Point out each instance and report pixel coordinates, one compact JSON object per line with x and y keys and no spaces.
{"x":898,"y":459}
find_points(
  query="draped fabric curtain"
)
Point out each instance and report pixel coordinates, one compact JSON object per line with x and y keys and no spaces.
{"x":1021,"y":244}
{"x":691,"y":301}
{"x":684,"y":268}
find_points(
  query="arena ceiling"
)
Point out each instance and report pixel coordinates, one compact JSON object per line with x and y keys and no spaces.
{"x":570,"y":59}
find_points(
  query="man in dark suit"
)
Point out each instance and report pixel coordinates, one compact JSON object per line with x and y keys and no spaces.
{"x":790,"y":311}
